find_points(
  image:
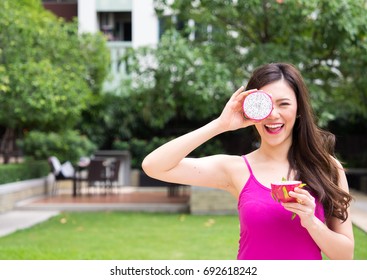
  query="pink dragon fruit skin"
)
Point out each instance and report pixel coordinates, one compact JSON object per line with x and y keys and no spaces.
{"x":257,"y":105}
{"x":280,"y":190}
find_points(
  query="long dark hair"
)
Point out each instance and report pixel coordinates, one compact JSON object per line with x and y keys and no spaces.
{"x":312,"y":149}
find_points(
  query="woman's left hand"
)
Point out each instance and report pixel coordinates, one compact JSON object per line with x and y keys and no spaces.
{"x":304,"y":207}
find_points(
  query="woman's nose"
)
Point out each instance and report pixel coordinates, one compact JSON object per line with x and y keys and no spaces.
{"x":274,"y":113}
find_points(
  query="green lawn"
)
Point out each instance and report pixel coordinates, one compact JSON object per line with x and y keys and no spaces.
{"x":138,"y":236}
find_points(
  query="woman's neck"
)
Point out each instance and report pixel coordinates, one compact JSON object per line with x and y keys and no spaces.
{"x":277,"y":153}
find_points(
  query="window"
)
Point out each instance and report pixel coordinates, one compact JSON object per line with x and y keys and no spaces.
{"x":116,"y":25}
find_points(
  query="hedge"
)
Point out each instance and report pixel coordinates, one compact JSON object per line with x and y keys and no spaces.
{"x":14,"y":172}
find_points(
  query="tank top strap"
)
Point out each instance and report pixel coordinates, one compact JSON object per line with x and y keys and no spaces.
{"x":248,"y":165}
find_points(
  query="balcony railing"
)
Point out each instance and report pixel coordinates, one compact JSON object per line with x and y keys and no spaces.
{"x":118,"y":65}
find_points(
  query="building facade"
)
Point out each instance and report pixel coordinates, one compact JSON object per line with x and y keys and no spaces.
{"x":126,"y":23}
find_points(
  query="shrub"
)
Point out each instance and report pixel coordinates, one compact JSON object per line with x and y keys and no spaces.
{"x":67,"y":146}
{"x":30,"y":169}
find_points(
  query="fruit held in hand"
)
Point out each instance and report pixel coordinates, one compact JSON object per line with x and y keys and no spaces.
{"x":280,"y":190}
{"x":257,"y":105}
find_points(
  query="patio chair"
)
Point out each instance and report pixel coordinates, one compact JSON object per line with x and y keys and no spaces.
{"x":60,"y":171}
{"x":96,"y":174}
{"x":113,"y":171}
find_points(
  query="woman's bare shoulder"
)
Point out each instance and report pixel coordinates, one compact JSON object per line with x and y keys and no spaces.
{"x":229,"y":160}
{"x":343,"y":182}
{"x":337,"y":162}
{"x":237,"y":171}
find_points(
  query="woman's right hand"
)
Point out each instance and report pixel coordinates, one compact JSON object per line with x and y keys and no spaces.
{"x":232,"y":116}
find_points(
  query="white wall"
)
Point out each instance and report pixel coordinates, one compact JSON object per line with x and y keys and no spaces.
{"x":87,"y":16}
{"x":145,"y":28}
{"x":144,"y":21}
{"x":144,"y":24}
{"x":114,"y":5}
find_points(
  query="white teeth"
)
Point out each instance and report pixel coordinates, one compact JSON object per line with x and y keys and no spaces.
{"x":273,"y":125}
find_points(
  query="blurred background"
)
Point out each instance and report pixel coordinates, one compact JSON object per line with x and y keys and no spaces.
{"x":89,"y":87}
{"x":81,"y":76}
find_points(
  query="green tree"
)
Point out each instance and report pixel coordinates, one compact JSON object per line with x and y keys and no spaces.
{"x":179,"y":82}
{"x":326,"y":39}
{"x":49,"y":73}
{"x":171,"y":89}
{"x":210,"y":47}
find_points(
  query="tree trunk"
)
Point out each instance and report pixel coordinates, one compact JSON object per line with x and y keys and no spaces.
{"x":7,"y":144}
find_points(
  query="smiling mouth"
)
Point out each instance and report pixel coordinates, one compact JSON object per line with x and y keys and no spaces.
{"x":273,"y":128}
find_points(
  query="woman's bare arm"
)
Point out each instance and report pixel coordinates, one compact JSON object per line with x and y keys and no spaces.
{"x":170,"y":162}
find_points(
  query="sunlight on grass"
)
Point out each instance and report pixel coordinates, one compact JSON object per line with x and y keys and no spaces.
{"x":113,"y":235}
{"x":133,"y":236}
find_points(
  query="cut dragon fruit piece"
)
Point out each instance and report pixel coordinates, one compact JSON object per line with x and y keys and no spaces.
{"x":280,"y":190}
{"x":257,"y":105}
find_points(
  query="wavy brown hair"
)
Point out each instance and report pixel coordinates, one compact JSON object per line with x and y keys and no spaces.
{"x":312,"y":150}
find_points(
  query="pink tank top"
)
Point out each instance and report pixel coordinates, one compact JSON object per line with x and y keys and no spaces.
{"x":267,"y":231}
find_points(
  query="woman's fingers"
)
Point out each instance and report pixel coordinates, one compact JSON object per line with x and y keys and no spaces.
{"x":232,"y":116}
{"x":243,"y":94}
{"x":238,"y":91}
{"x":302,"y":196}
{"x":305,"y":205}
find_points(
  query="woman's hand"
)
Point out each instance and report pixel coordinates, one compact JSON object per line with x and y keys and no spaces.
{"x":232,"y":116}
{"x":304,"y":207}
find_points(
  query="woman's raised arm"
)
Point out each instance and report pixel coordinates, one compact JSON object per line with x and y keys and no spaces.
{"x":170,"y":163}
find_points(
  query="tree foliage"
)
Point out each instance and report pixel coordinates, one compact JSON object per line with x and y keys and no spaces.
{"x":49,"y":73}
{"x":326,"y":39}
{"x":66,"y":146}
{"x":208,"y":48}
{"x":176,"y":81}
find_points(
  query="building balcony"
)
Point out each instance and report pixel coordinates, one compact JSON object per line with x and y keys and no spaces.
{"x":118,"y":64}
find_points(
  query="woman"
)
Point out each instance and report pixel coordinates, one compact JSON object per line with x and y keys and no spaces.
{"x":291,"y":146}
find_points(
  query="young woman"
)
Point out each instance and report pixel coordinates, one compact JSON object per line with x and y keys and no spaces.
{"x":291,"y":146}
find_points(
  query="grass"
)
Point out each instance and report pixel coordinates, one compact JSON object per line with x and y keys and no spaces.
{"x":133,"y":236}
{"x":117,"y":235}
{"x":360,"y":247}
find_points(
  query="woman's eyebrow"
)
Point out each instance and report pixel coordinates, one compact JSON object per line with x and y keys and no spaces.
{"x":283,"y":99}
